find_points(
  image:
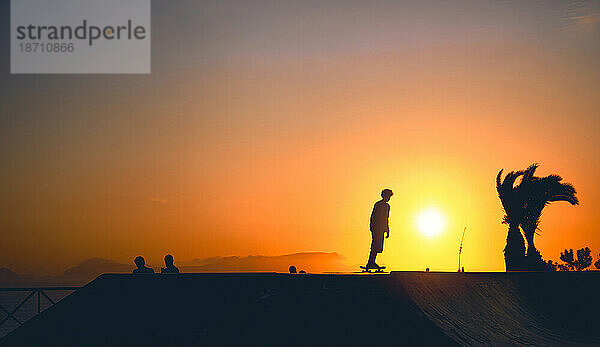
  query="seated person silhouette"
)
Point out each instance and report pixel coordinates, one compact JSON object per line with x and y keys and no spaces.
{"x":379,"y":226}
{"x":292,"y":269}
{"x":141,"y":266}
{"x":170,"y":268}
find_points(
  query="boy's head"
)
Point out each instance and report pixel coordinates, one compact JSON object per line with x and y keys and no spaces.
{"x":386,"y":194}
{"x":168,"y":260}
{"x":139,"y":261}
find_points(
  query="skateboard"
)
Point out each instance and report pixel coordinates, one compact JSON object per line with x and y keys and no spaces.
{"x":371,"y":270}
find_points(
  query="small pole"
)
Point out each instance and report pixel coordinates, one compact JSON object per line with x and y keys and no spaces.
{"x":39,"y":304}
{"x":460,"y":248}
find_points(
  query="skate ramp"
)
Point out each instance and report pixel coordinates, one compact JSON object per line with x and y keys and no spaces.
{"x":410,"y":308}
{"x":232,"y":309}
{"x":541,"y":309}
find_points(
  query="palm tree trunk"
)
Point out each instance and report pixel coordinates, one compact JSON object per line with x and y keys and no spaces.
{"x":514,"y":252}
{"x":533,"y":257}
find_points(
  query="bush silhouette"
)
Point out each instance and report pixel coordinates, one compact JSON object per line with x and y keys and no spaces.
{"x":583,"y":260}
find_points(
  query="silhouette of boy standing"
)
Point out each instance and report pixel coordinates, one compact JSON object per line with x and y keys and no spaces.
{"x":379,"y":226}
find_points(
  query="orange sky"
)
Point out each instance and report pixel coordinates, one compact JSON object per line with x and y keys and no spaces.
{"x":272,"y":130}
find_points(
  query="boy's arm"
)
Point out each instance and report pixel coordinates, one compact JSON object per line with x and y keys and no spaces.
{"x":387,"y":222}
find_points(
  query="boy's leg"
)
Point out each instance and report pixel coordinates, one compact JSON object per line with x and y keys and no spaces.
{"x":371,"y":262}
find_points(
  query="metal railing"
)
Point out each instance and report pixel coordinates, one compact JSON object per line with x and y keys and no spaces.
{"x":40,"y":291}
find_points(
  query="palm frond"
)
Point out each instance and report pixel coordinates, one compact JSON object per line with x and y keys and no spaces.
{"x":508,"y":196}
{"x":528,"y":173}
{"x":552,"y":189}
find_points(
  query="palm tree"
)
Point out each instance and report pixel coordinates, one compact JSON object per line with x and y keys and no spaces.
{"x":514,"y":251}
{"x":523,"y":205}
{"x":538,"y":193}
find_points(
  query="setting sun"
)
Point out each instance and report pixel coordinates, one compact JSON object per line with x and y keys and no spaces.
{"x":430,"y":222}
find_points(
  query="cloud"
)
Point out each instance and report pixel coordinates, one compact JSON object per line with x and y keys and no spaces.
{"x":159,"y":201}
{"x":582,"y":16}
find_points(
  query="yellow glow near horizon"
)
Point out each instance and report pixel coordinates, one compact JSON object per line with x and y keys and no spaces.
{"x":430,"y":222}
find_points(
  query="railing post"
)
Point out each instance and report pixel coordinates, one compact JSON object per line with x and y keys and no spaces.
{"x":39,"y":303}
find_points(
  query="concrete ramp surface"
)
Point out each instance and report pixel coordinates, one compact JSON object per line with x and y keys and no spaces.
{"x":541,"y":309}
{"x":402,"y":308}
